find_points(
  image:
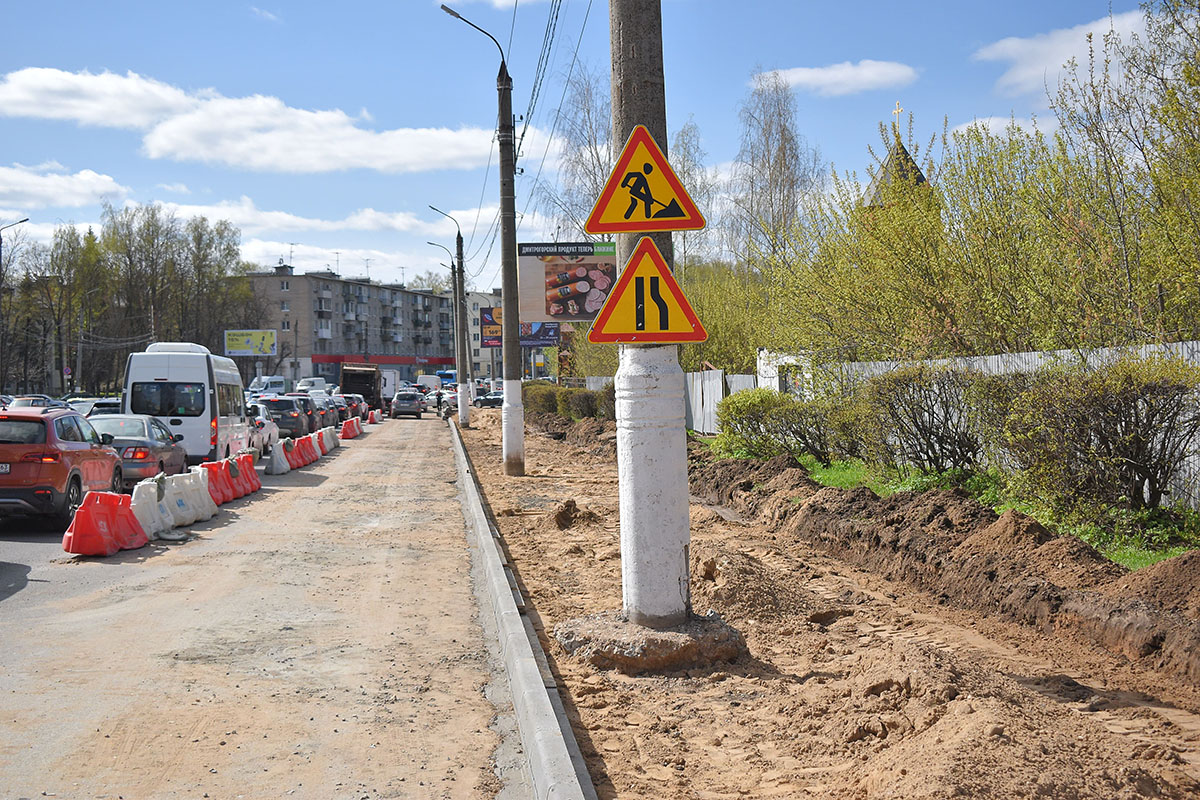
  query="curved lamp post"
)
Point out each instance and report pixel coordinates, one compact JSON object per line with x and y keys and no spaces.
{"x":513,"y":413}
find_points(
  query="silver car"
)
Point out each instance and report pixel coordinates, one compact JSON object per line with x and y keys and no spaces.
{"x":408,"y":403}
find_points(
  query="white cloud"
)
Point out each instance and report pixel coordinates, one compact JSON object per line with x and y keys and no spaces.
{"x":998,"y":126}
{"x":1036,"y":62}
{"x":846,"y":78}
{"x":174,"y":188}
{"x":249,"y":218}
{"x":262,"y":133}
{"x":262,"y":14}
{"x":108,"y":100}
{"x":257,"y":132}
{"x":49,"y":186}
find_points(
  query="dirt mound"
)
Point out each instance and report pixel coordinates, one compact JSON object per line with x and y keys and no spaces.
{"x":948,"y":544}
{"x":568,"y":513}
{"x":1173,"y":584}
{"x":596,"y":436}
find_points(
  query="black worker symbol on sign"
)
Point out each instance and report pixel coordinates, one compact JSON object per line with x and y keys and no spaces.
{"x":639,"y":192}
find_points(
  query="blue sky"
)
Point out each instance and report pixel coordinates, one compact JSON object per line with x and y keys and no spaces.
{"x":324,"y":131}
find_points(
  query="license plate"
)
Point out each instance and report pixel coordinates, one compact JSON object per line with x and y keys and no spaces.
{"x":3,"y":469}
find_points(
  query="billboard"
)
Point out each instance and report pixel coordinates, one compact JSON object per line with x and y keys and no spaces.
{"x":250,"y":343}
{"x":565,"y":281}
{"x":533,"y":334}
{"x":491,"y":321}
{"x":539,"y":334}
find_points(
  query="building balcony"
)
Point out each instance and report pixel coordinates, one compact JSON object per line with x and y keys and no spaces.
{"x":397,"y":337}
{"x":324,"y":333}
{"x":325,"y":294}
{"x":349,"y":316}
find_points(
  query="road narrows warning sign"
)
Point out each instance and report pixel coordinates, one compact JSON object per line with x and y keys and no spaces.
{"x":643,"y":194}
{"x":646,"y":306}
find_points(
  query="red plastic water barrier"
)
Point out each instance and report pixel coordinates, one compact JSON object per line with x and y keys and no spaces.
{"x":348,"y":431}
{"x":103,"y":524}
{"x":320,"y":439}
{"x":240,"y":487}
{"x":246,"y":463}
{"x":310,"y":450}
{"x":219,"y":488}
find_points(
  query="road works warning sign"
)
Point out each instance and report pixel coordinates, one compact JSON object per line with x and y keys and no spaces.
{"x":647,"y":306}
{"x":643,"y":194}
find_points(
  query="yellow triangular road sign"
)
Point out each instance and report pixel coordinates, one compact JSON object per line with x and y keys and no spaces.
{"x":646,"y":306}
{"x":643,"y":194}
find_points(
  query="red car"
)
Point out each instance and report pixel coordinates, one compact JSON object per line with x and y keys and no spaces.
{"x":49,"y":458}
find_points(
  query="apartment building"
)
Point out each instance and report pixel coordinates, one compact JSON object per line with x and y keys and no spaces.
{"x":324,"y":319}
{"x":486,"y":361}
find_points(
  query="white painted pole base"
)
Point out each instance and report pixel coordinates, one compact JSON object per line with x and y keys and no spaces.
{"x":652,"y":478}
{"x":464,"y":406}
{"x":512,"y":422}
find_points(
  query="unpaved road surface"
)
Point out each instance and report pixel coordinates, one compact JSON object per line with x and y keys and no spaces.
{"x":318,"y":639}
{"x":917,"y":647}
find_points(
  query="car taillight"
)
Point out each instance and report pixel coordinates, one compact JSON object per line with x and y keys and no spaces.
{"x":41,"y":458}
{"x":136,"y":453}
{"x":293,"y":413}
{"x":212,"y":439}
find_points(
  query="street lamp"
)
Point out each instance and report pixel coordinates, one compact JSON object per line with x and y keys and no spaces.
{"x":513,"y":413}
{"x":464,"y":337}
{"x":460,"y":354}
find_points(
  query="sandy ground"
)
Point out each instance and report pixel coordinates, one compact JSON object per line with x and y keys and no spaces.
{"x":318,"y":639}
{"x":867,"y":677}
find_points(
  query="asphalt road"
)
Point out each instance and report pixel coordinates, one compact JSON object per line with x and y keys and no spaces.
{"x":321,"y":638}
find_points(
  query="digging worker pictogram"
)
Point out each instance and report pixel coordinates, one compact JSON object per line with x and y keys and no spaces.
{"x":639,"y":192}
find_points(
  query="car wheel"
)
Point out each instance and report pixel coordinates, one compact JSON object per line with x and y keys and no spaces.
{"x":162,"y":468}
{"x":71,"y":500}
{"x":117,"y":484}
{"x":418,"y":416}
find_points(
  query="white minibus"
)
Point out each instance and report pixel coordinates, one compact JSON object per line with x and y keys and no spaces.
{"x":193,"y":393}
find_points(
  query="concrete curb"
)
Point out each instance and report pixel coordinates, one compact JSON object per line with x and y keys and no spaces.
{"x":556,"y":767}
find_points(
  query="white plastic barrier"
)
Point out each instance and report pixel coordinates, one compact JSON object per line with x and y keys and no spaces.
{"x":312,"y":439}
{"x":328,"y":440}
{"x":201,"y":499}
{"x":145,"y":508}
{"x":337,"y":440}
{"x":178,"y":500}
{"x":278,"y":463}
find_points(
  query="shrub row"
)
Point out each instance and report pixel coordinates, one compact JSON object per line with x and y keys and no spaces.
{"x":1114,"y":434}
{"x":549,"y":398}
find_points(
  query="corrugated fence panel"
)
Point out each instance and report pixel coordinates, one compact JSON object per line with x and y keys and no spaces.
{"x":738,"y":383}
{"x":597,"y":382}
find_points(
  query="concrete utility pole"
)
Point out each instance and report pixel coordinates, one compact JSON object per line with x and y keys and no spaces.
{"x":462,"y":330}
{"x":513,"y":410}
{"x":651,"y":438}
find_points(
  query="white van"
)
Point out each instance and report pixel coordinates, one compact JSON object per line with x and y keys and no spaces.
{"x":193,"y":393}
{"x":269,"y":384}
{"x":308,"y":384}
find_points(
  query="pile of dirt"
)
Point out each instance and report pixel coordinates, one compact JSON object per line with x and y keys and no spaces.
{"x":948,"y":544}
{"x":855,"y":685}
{"x":568,"y":513}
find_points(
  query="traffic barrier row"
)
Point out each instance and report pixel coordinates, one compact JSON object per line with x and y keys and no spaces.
{"x":106,"y":522}
{"x":374,"y":418}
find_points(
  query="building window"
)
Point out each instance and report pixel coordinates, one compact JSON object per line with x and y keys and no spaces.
{"x":286,"y":325}
{"x":285,"y":286}
{"x":475,"y":336}
{"x":474,"y":306}
{"x":283,"y":305}
{"x":478,"y":366}
{"x":476,"y":354}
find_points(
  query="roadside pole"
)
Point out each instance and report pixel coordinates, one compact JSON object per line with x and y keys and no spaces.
{"x":462,"y":334}
{"x":513,"y":410}
{"x":651,"y":443}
